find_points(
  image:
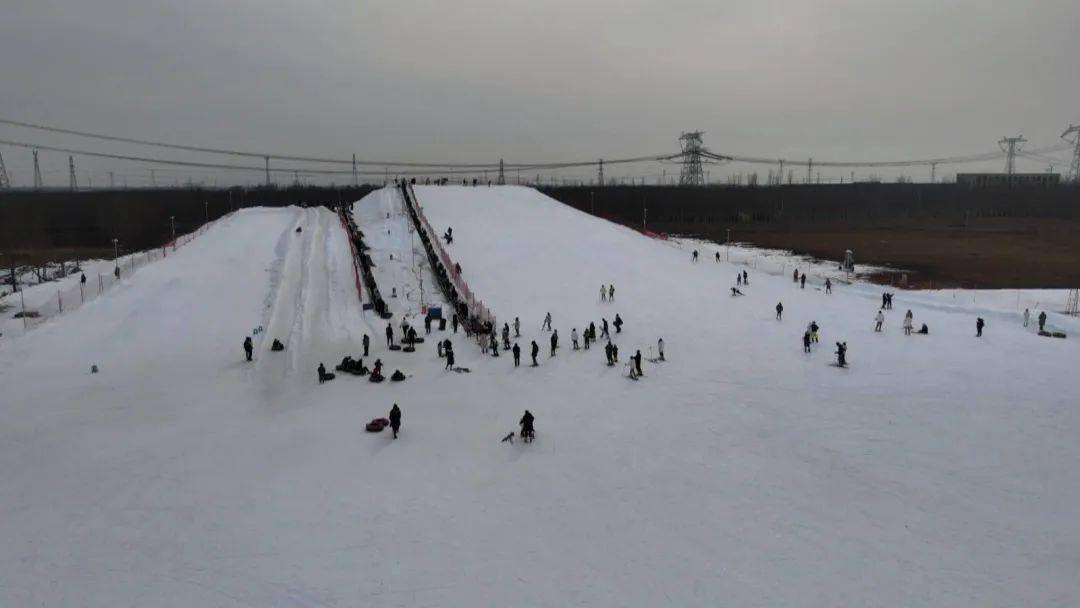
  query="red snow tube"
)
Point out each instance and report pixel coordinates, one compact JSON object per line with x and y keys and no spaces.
{"x":373,"y":427}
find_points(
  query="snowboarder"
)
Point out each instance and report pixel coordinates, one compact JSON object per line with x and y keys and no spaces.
{"x":517,"y":355}
{"x":395,"y":419}
{"x":637,"y":363}
{"x":611,"y":293}
{"x":554,"y":342}
{"x":878,"y":320}
{"x":526,"y":424}
{"x":660,"y":348}
{"x":517,"y":327}
{"x":841,"y":354}
{"x":979,"y":324}
{"x":828,"y":286}
{"x":603,"y":293}
{"x":695,"y":256}
{"x":779,"y":311}
{"x":574,"y":338}
{"x":802,"y":280}
{"x":909,"y":323}
{"x":535,"y":351}
{"x":618,"y":323}
{"x":1042,"y":320}
{"x":547,"y":322}
{"x":248,"y":347}
{"x":806,"y":341}
{"x":389,"y":334}
{"x":367,"y":344}
{"x":454,"y":322}
{"x":1027,"y":317}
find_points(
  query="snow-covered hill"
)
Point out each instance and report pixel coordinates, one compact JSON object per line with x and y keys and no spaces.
{"x":936,"y":470}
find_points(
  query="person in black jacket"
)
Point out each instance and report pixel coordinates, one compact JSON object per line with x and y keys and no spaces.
{"x":389,"y":334}
{"x":367,"y":344}
{"x":395,"y":419}
{"x":248,"y":347}
{"x":618,"y":323}
{"x":637,"y":363}
{"x":454,"y":322}
{"x":554,"y":341}
{"x":517,"y":355}
{"x":535,"y":351}
{"x":527,"y":430}
{"x":979,"y":324}
{"x":779,"y":311}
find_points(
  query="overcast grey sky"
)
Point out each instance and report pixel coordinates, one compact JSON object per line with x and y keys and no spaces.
{"x":476,"y":80}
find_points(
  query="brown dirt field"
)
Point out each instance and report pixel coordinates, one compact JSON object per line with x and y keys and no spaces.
{"x":985,"y":253}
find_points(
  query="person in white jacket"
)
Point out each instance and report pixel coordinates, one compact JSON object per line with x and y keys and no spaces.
{"x":574,"y":337}
{"x":1027,"y":317}
{"x":878,"y":320}
{"x":909,"y":322}
{"x":603,"y":293}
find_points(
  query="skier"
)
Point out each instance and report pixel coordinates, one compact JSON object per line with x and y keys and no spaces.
{"x":828,"y":286}
{"x":554,"y":341}
{"x":367,"y":344}
{"x":806,"y":341}
{"x":574,"y":338}
{"x":1042,"y":320}
{"x":611,"y":293}
{"x":803,"y":281}
{"x":389,"y":334}
{"x":878,"y":320}
{"x":1027,"y":317}
{"x":779,"y":311}
{"x":603,"y":293}
{"x":454,"y":322}
{"x":526,"y":424}
{"x":535,"y":351}
{"x":637,"y":363}
{"x":517,"y":327}
{"x":660,"y":348}
{"x":618,"y":323}
{"x":248,"y":347}
{"x":395,"y":419}
{"x":547,"y":322}
{"x":841,"y":354}
{"x":908,"y":323}
{"x":979,"y":324}
{"x":517,"y":355}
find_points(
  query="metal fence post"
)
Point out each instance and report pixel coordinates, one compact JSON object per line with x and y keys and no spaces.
{"x":22,"y":298}
{"x":59,"y":302}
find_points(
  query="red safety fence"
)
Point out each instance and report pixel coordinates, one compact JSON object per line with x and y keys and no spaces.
{"x":355,"y":256}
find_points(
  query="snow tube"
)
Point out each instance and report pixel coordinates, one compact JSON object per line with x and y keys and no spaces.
{"x":394,"y":347}
{"x":408,"y":349}
{"x":374,"y":378}
{"x":397,"y":376}
{"x":382,"y":421}
{"x":373,"y":427}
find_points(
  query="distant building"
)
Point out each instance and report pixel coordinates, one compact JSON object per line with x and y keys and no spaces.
{"x":987,"y":180}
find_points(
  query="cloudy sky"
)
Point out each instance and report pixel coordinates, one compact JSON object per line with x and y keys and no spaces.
{"x":549,"y":80}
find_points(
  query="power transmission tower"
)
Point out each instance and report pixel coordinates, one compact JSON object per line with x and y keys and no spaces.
{"x":933,"y":172}
{"x":1010,"y":146}
{"x":72,"y":181}
{"x":502,"y":174}
{"x":38,"y":182}
{"x":600,"y":176}
{"x":691,"y":173}
{"x":5,"y":183}
{"x":1074,"y":168}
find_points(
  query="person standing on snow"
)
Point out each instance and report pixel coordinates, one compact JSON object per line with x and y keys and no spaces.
{"x":517,"y":327}
{"x":1042,"y":320}
{"x":878,"y":320}
{"x":828,"y":286}
{"x":395,"y":419}
{"x":603,"y":293}
{"x":618,"y":323}
{"x":694,"y":258}
{"x":449,"y":355}
{"x":454,"y":322}
{"x":717,"y":257}
{"x":248,"y":347}
{"x":528,"y":433}
{"x":795,"y":275}
{"x":517,"y":355}
{"x":745,"y":278}
{"x":607,"y":353}
{"x":637,"y":363}
{"x":1027,"y":317}
{"x":738,"y":279}
{"x":554,"y":341}
{"x":494,"y":343}
{"x":389,"y":334}
{"x":909,"y":323}
{"x":979,"y":324}
{"x":779,"y":311}
{"x":803,"y":281}
{"x":506,"y":336}
{"x":814,"y":332}
{"x":806,"y":341}
{"x":604,"y":333}
{"x":660,"y":348}
{"x":611,"y":293}
{"x":547,"y":322}
{"x":535,"y":351}
{"x":367,"y":344}
{"x":841,"y":354}
{"x":574,"y":338}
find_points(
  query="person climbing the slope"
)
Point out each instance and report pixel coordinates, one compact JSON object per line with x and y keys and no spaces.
{"x":395,"y":419}
{"x":506,"y":336}
{"x":517,"y":327}
{"x":604,"y":333}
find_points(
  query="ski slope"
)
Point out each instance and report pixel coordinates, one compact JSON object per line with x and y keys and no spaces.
{"x":936,"y":470}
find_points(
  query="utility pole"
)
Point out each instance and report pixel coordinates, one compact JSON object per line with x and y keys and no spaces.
{"x":600,"y":176}
{"x":1074,"y":168}
{"x":72,"y":181}
{"x":116,"y":253}
{"x":206,"y":212}
{"x":38,"y":182}
{"x":267,"y":159}
{"x":4,"y":181}
{"x":809,"y":169}
{"x":153,"y":179}
{"x":502,"y":174}
{"x":172,"y":224}
{"x":933,"y":172}
{"x":112,"y":182}
{"x":780,"y":174}
{"x":355,"y":177}
{"x":1010,"y":146}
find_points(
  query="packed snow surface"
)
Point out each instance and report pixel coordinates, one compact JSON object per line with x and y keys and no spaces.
{"x":936,"y":470}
